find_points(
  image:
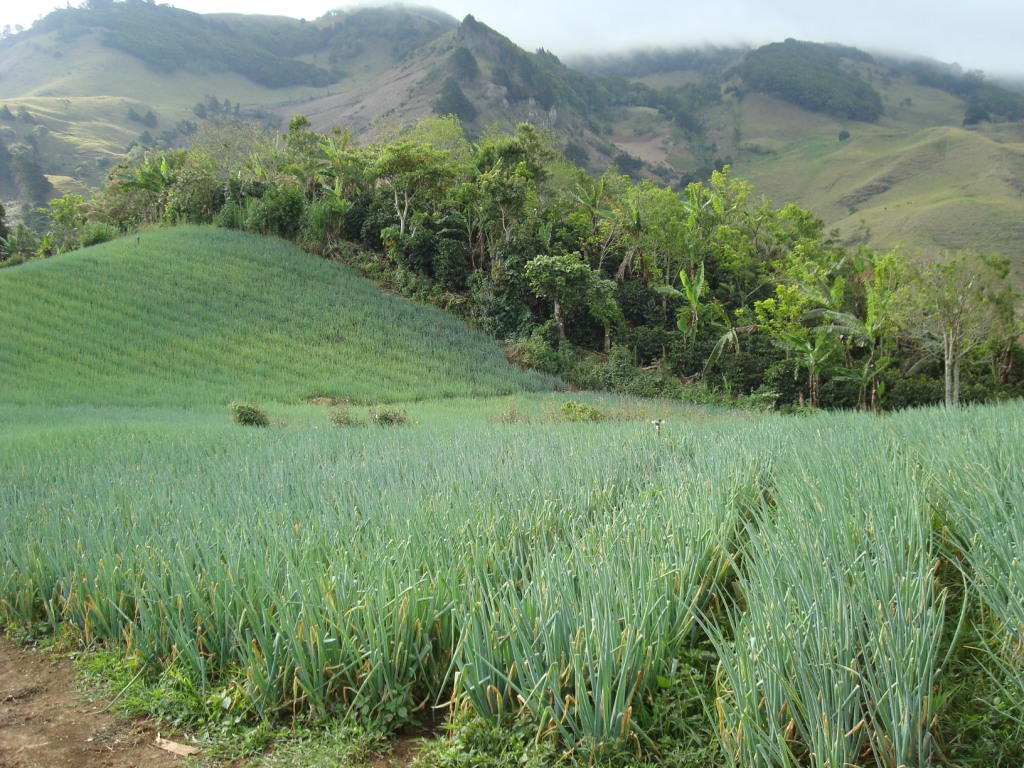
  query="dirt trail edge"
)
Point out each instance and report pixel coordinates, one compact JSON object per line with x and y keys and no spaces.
{"x":46,"y":723}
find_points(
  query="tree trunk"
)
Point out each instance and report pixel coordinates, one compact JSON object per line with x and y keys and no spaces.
{"x":559,"y":320}
{"x":956,"y":382}
{"x":948,"y":368}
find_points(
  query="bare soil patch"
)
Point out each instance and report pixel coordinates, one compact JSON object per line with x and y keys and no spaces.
{"x":46,"y":723}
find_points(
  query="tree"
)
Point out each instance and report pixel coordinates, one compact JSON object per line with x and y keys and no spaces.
{"x":228,"y":147}
{"x":807,"y":286}
{"x":452,"y":101}
{"x":566,"y":280}
{"x":4,"y":232}
{"x":882,"y":277}
{"x":960,"y":302}
{"x":342,"y":165}
{"x":463,"y":64}
{"x":414,"y":172}
{"x":301,"y":157}
{"x":812,"y":353}
{"x":66,"y":219}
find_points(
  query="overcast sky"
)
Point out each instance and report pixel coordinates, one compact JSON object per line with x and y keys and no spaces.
{"x":977,"y":34}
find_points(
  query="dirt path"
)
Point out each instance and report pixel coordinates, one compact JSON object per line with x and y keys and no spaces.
{"x":46,"y":723}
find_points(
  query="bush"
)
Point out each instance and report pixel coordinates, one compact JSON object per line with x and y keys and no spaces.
{"x":573,"y":410}
{"x":249,"y":415}
{"x":278,"y":212}
{"x":388,"y":417}
{"x":231,"y":215}
{"x":97,"y":232}
{"x":322,"y":224}
{"x":343,"y":417}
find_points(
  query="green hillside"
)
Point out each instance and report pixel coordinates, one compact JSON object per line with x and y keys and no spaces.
{"x":200,"y":316}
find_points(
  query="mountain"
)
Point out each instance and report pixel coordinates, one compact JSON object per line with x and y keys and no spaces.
{"x":889,"y":151}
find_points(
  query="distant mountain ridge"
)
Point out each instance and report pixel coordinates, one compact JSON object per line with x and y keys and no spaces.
{"x":838,"y":130}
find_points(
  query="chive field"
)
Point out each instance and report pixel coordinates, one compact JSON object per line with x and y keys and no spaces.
{"x":549,"y":569}
{"x":199,"y":316}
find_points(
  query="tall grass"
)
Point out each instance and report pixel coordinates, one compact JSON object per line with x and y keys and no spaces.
{"x":198,"y":316}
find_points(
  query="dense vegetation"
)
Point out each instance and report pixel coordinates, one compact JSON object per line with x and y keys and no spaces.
{"x":811,"y":75}
{"x":581,"y":596}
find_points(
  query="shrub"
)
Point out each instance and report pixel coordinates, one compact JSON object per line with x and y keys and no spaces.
{"x":278,"y":212}
{"x":573,"y":410}
{"x":97,"y":232}
{"x":388,"y":417}
{"x":343,"y":417}
{"x":322,"y":224}
{"x":231,"y":215}
{"x":249,"y":415}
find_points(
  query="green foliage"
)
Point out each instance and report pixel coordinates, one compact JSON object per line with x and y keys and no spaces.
{"x":810,"y":75}
{"x":463,"y":64}
{"x":970,"y":86}
{"x":539,"y":353}
{"x":341,"y":416}
{"x":4,"y":232}
{"x":249,"y":415}
{"x":231,"y":215}
{"x":384,"y":416}
{"x":452,"y":101}
{"x":473,"y":741}
{"x":278,"y":212}
{"x":97,"y":232}
{"x":323,"y":222}
{"x":508,"y":235}
{"x":976,"y":114}
{"x":573,"y":410}
{"x":66,"y":220}
{"x":194,"y":195}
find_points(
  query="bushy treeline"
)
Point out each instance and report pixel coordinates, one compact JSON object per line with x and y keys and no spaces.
{"x":810,"y":76}
{"x":609,"y":283}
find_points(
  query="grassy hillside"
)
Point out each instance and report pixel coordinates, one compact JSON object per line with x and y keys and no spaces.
{"x":916,"y":179}
{"x":199,"y":316}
